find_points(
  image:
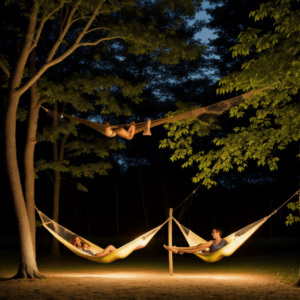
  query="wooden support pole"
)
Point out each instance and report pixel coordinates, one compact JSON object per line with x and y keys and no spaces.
{"x":170,"y":242}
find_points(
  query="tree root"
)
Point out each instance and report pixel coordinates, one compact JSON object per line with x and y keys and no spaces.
{"x":29,"y":273}
{"x":297,"y":283}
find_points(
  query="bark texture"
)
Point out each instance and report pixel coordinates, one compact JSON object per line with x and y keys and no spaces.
{"x":29,"y":153}
{"x":27,"y":264}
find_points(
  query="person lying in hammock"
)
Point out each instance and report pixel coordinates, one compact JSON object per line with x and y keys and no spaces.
{"x":213,"y":245}
{"x":123,"y":133}
{"x":79,"y":243}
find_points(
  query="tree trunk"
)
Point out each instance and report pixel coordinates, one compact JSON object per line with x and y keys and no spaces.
{"x":29,"y":152}
{"x":297,"y":283}
{"x":27,"y":263}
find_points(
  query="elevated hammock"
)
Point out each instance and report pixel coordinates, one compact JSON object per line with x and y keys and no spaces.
{"x":204,"y":113}
{"x":64,"y":236}
{"x":235,"y":240}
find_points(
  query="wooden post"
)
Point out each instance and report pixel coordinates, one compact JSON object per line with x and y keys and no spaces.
{"x":170,"y":242}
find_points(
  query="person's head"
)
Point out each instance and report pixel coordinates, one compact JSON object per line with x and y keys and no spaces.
{"x":217,"y":233}
{"x":106,"y":123}
{"x":85,"y":246}
{"x":76,"y":241}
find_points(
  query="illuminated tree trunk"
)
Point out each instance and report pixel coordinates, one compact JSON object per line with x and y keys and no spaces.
{"x":29,"y":153}
{"x":27,"y":262}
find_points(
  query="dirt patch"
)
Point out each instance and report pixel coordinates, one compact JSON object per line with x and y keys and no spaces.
{"x":148,"y":285}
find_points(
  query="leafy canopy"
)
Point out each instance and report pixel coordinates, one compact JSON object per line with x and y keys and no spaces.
{"x":273,"y":115}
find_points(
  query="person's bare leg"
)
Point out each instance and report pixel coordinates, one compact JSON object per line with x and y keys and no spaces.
{"x":132,"y":131}
{"x":109,"y":249}
{"x":170,"y":249}
{"x":109,"y":132}
{"x":182,"y":250}
{"x":148,"y":126}
{"x":123,"y":133}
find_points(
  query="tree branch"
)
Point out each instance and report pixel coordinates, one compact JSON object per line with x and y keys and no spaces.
{"x":88,"y":24}
{"x":62,"y":35}
{"x":65,"y":18}
{"x":50,"y":177}
{"x":101,"y":40}
{"x":68,"y":180}
{"x":97,"y":29}
{"x":25,"y":52}
{"x":4,"y":69}
{"x":40,"y":28}
{"x":49,"y":62}
{"x":85,"y":17}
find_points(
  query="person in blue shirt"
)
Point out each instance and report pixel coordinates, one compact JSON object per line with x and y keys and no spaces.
{"x":214,"y":245}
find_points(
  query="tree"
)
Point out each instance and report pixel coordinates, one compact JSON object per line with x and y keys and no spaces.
{"x":274,"y":113}
{"x":74,"y":91}
{"x":133,"y":22}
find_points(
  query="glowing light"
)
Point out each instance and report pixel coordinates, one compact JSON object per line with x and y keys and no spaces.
{"x":159,"y":276}
{"x":61,"y":116}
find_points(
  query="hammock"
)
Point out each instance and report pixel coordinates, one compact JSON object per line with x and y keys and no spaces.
{"x":204,"y":112}
{"x":64,"y":236}
{"x":235,"y":240}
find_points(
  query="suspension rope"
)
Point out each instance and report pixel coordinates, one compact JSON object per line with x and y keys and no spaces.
{"x":188,"y":197}
{"x":275,"y":211}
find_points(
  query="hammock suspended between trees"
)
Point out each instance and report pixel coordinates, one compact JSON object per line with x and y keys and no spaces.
{"x":204,"y":113}
{"x":64,"y":236}
{"x":235,"y":240}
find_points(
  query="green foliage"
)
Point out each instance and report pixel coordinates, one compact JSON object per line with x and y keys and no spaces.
{"x":22,"y":114}
{"x":290,"y":219}
{"x":180,"y":133}
{"x":38,"y":224}
{"x":75,"y":90}
{"x":275,"y":115}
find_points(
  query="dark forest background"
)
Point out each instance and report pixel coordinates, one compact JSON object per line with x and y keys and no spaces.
{"x":142,"y":173}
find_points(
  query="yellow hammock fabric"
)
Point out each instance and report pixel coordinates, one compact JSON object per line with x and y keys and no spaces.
{"x":64,"y":235}
{"x":235,"y":240}
{"x":204,"y":112}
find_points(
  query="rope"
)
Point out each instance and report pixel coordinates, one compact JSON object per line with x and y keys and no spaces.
{"x":187,"y":198}
{"x":275,"y":211}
